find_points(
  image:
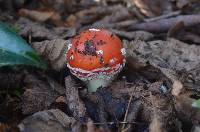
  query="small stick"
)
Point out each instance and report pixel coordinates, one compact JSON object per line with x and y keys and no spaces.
{"x":111,"y":123}
{"x":163,"y":25}
{"x":172,"y":14}
{"x":126,"y":114}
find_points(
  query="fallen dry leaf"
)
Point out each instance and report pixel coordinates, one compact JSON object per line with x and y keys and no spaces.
{"x":92,"y":128}
{"x":152,"y":8}
{"x":36,"y":30}
{"x":52,"y":120}
{"x":184,"y":108}
{"x":182,"y":3}
{"x":73,"y":100}
{"x":54,"y":51}
{"x":4,"y":127}
{"x":156,"y":125}
{"x":177,"y":88}
{"x":166,"y":54}
{"x":36,"y":15}
{"x":71,"y":20}
{"x":39,"y":94}
{"x":60,"y":99}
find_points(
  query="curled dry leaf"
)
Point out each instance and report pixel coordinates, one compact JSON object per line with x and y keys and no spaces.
{"x":49,"y":121}
{"x":54,"y":51}
{"x":73,"y":100}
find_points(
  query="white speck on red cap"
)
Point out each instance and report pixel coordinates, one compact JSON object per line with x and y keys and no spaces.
{"x":99,"y":52}
{"x":124,"y":61}
{"x":123,"y":51}
{"x":69,"y":46}
{"x":111,"y":61}
{"x":71,"y":57}
{"x":94,"y":29}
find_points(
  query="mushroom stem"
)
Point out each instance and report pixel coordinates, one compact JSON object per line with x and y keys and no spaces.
{"x":94,"y":84}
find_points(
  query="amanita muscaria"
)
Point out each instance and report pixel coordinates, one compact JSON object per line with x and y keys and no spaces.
{"x":95,"y":56}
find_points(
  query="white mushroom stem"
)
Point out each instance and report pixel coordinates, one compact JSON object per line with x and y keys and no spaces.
{"x":94,"y":84}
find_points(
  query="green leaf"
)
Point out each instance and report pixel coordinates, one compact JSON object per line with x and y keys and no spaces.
{"x":17,"y":92}
{"x":15,"y":51}
{"x":196,"y":103}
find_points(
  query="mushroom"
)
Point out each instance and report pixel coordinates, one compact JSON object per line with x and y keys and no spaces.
{"x":95,"y":56}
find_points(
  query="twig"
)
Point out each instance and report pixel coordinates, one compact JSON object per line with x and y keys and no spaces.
{"x":164,"y":25}
{"x":126,"y":114}
{"x":111,"y":123}
{"x":172,"y":14}
{"x":152,"y":102}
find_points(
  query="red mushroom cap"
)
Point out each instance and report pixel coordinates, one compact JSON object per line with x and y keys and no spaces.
{"x":95,"y":53}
